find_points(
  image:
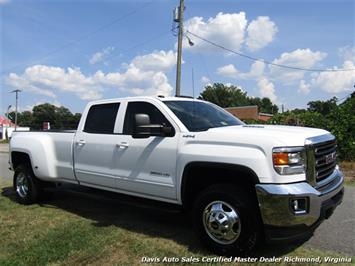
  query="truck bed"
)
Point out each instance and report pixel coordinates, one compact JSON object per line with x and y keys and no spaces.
{"x":51,"y":152}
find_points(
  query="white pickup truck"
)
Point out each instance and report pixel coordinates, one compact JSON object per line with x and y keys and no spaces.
{"x":242,"y":183}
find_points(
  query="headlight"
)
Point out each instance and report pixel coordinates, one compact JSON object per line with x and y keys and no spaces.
{"x":289,"y":160}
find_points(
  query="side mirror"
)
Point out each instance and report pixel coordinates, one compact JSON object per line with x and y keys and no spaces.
{"x":142,"y":120}
{"x":144,"y":129}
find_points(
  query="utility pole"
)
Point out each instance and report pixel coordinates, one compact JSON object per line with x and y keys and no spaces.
{"x":16,"y":92}
{"x":180,"y":20}
{"x":8,"y":111}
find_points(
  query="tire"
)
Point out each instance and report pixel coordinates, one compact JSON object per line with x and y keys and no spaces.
{"x":27,"y":187}
{"x":227,"y":219}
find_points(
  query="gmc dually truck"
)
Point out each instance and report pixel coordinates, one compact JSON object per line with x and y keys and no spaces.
{"x":241,"y":183}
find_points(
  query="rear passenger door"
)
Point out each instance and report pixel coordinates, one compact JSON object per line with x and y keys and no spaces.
{"x":95,"y":146}
{"x":147,"y":165}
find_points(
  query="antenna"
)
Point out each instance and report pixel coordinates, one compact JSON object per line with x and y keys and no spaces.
{"x":193,"y":83}
{"x":193,"y":94}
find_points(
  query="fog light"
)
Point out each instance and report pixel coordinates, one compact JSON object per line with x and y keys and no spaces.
{"x":299,"y":206}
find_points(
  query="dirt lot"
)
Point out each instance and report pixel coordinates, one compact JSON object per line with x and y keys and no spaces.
{"x":348,"y":169}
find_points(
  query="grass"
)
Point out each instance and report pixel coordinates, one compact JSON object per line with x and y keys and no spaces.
{"x":348,"y":168}
{"x":4,"y":141}
{"x":84,"y":227}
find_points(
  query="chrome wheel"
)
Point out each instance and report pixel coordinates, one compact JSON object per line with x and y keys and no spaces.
{"x":22,"y":185}
{"x":221,"y":222}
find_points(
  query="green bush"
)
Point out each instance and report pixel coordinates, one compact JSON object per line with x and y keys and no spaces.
{"x":339,"y":120}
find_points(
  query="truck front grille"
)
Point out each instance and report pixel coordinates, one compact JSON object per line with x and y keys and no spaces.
{"x":325,"y":159}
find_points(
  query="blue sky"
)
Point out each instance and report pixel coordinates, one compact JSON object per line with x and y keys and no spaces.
{"x":70,"y":52}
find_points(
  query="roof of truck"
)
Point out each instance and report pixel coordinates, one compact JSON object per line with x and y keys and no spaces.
{"x":161,"y":98}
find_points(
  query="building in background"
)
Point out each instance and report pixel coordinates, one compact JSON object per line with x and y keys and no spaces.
{"x":248,"y":112}
{"x":4,"y":125}
{"x":7,"y":127}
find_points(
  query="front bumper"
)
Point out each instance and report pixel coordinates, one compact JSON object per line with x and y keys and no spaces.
{"x":281,"y":222}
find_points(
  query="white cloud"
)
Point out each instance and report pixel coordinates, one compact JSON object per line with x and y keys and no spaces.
{"x":304,"y":87}
{"x":101,"y":56}
{"x":143,"y":76}
{"x":29,"y":107}
{"x":336,"y":82}
{"x":301,"y":58}
{"x":4,"y":2}
{"x":205,"y":80}
{"x":256,"y":71}
{"x":45,"y":80}
{"x":347,"y":53}
{"x":225,"y":29}
{"x":228,"y":71}
{"x":267,"y":89}
{"x":228,"y":84}
{"x":261,"y":32}
{"x":230,"y":30}
{"x":257,"y":68}
{"x":21,"y":82}
{"x":158,"y":61}
{"x":136,"y":81}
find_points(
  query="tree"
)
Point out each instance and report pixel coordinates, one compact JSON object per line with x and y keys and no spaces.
{"x":43,"y":113}
{"x":342,"y":125}
{"x":338,"y":119}
{"x":265,"y":105}
{"x":24,"y":119}
{"x":323,"y":107}
{"x":232,"y":96}
{"x":63,"y":118}
{"x":218,"y":94}
{"x":58,"y":117}
{"x":74,"y":121}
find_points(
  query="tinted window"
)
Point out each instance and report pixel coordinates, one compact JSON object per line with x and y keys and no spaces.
{"x":133,"y":108}
{"x":101,"y":118}
{"x":200,"y":116}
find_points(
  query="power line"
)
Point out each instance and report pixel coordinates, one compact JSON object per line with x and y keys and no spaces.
{"x":109,"y":58}
{"x":265,"y":61}
{"x":345,"y":97}
{"x":84,"y":36}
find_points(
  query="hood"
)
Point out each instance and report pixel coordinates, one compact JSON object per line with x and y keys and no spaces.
{"x":282,"y":135}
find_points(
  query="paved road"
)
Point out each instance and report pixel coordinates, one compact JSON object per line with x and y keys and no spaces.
{"x":4,"y":166}
{"x":335,"y":234}
{"x":4,"y":147}
{"x":338,"y":232}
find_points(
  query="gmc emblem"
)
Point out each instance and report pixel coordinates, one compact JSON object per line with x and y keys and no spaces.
{"x":330,"y":158}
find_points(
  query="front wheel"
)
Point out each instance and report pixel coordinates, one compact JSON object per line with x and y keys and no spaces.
{"x":227,"y":219}
{"x":26,"y":186}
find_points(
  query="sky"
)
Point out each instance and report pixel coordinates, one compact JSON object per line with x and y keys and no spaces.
{"x":68,"y":53}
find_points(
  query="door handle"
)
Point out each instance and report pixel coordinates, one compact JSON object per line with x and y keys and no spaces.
{"x":80,"y":142}
{"x":122,"y":145}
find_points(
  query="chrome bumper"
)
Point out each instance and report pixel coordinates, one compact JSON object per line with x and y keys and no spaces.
{"x":274,"y":201}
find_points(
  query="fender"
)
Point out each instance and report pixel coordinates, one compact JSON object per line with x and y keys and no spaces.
{"x":50,"y":160}
{"x":249,"y":173}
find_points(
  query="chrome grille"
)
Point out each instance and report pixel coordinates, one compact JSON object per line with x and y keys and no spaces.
{"x":325,"y":159}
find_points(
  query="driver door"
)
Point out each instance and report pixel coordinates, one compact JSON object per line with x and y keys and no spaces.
{"x":147,"y":165}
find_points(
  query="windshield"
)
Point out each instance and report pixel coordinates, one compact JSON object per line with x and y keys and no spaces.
{"x":200,"y":116}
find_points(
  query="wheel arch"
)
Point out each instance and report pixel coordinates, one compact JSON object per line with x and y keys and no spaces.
{"x":191,"y":184}
{"x":19,"y":157}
